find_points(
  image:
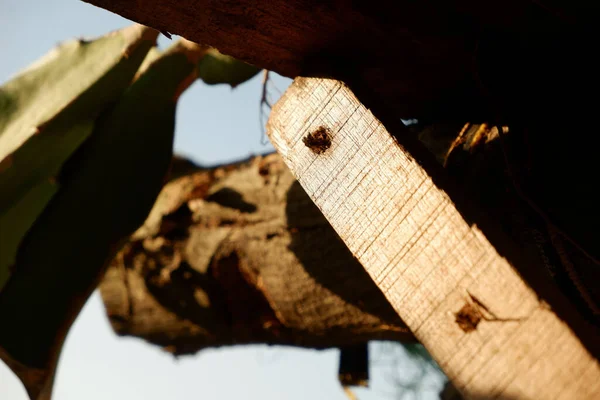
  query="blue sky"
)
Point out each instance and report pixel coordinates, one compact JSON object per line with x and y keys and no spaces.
{"x":214,"y":125}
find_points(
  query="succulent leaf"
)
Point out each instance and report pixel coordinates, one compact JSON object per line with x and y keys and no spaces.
{"x":107,"y":189}
{"x":47,"y":111}
{"x":216,"y":68}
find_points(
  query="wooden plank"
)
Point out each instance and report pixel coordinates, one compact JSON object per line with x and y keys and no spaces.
{"x":427,"y":260}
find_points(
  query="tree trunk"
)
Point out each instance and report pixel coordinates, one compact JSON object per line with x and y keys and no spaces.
{"x":239,"y":254}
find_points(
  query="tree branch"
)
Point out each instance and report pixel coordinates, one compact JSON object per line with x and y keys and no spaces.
{"x":239,"y":254}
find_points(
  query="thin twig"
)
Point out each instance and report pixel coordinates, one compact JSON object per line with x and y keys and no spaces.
{"x":264,"y":101}
{"x":493,"y":317}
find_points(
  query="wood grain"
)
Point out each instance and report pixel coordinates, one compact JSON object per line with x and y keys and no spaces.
{"x":427,"y":260}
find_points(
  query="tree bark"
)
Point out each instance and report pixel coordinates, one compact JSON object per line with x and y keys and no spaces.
{"x":239,"y":254}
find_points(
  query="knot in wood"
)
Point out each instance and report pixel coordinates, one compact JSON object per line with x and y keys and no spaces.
{"x":468,"y":317}
{"x":319,"y":140}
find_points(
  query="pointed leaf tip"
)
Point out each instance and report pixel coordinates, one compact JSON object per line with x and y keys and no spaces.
{"x":216,"y":68}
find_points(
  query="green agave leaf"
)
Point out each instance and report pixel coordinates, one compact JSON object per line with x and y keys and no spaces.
{"x":152,"y":56}
{"x":47,"y":112}
{"x":17,"y":221}
{"x":215,"y":68}
{"x":107,"y":189}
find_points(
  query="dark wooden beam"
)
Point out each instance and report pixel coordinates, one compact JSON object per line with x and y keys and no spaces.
{"x":431,"y":59}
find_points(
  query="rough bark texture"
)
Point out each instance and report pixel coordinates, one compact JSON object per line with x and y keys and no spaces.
{"x":485,"y":306}
{"x":240,"y":254}
{"x":432,"y":59}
